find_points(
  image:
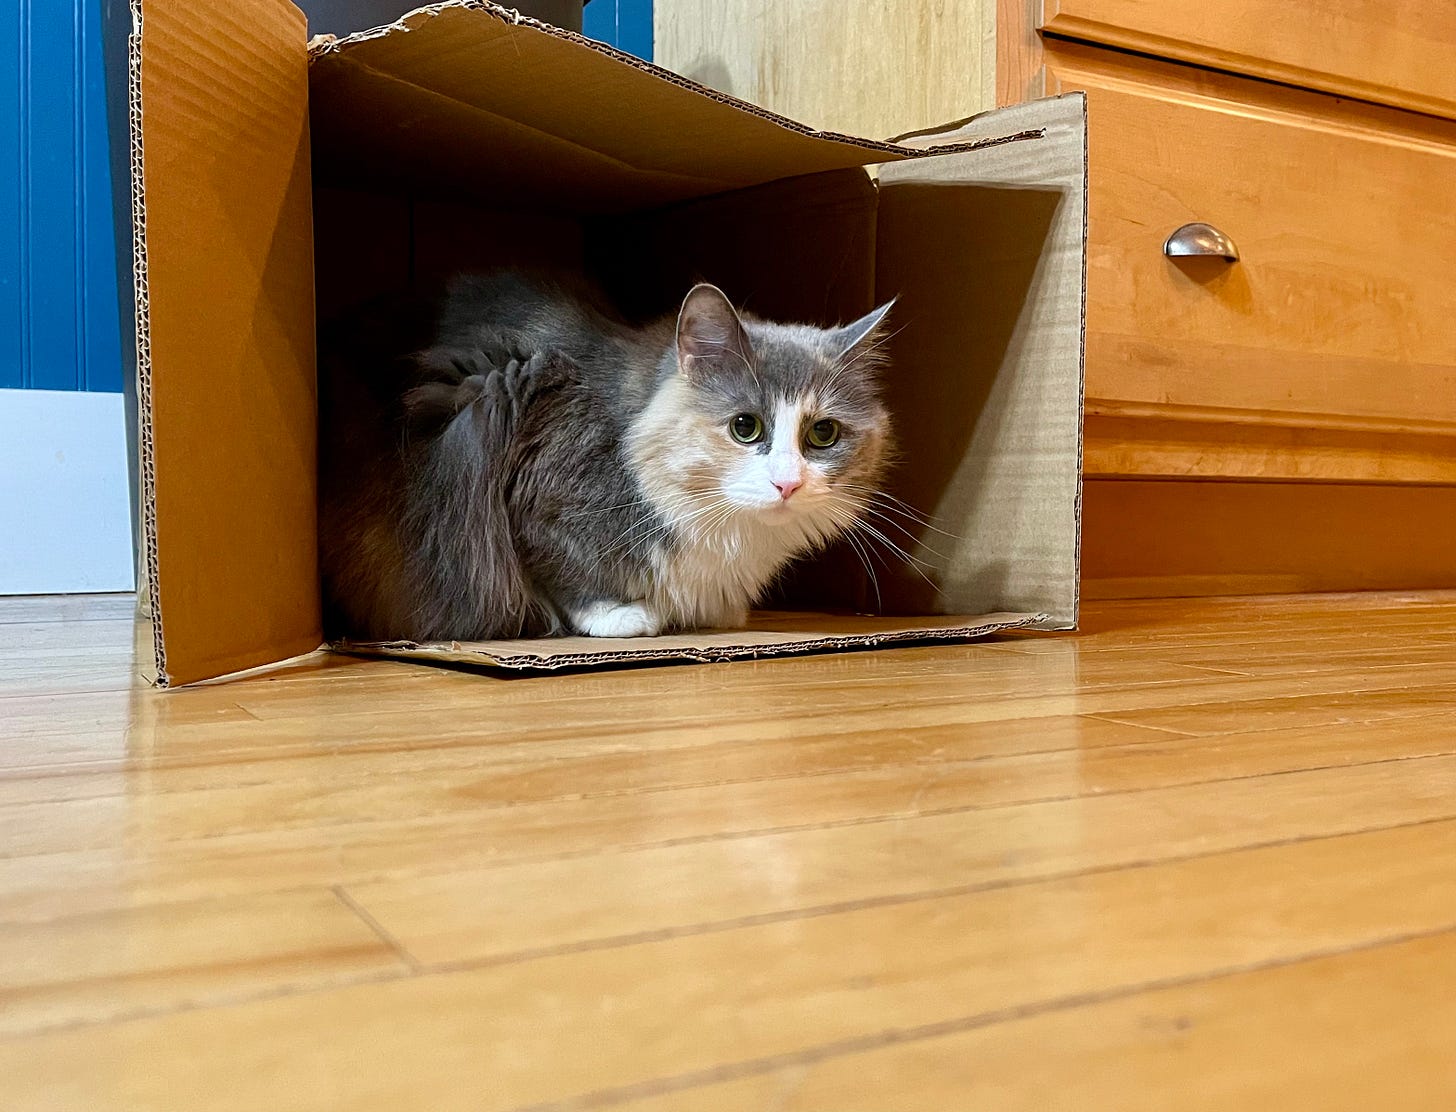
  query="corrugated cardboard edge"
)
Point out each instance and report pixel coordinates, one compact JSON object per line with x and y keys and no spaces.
{"x":455,"y":652}
{"x":1081,"y":384}
{"x":324,"y":45}
{"x":154,"y":667}
{"x":1082,"y":369}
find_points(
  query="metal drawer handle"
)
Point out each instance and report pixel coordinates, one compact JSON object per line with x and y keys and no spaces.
{"x":1200,"y":239}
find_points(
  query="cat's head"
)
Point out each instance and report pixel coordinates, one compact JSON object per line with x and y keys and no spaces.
{"x":781,"y":423}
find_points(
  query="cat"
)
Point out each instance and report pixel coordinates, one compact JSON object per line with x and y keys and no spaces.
{"x":544,"y":468}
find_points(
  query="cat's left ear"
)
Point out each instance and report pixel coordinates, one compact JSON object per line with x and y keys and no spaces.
{"x":710,"y":335}
{"x":861,"y":336}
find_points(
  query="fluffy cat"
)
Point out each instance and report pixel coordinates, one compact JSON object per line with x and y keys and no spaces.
{"x":544,"y":468}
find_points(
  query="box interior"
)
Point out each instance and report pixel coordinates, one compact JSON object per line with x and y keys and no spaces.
{"x":431,"y":155}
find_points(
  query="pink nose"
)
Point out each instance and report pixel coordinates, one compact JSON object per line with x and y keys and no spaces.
{"x":787,"y":487}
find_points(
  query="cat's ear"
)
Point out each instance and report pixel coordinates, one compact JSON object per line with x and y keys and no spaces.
{"x":710,"y":334}
{"x":860,"y":337}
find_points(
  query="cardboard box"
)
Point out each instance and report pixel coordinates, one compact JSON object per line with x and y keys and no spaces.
{"x":267,"y":170}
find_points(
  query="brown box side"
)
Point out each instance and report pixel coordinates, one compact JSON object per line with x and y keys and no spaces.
{"x":223,"y":259}
{"x":988,"y":251}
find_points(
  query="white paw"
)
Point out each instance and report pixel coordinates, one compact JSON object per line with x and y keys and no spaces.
{"x":617,"y":619}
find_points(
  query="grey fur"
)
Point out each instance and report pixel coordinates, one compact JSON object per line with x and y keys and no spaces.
{"x":483,"y":487}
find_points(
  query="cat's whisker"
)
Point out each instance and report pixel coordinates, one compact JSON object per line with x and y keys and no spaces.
{"x":870,"y":531}
{"x":864,"y":559}
{"x":674,"y":524}
{"x":892,"y":504}
{"x":912,"y":562}
{"x":844,"y":515}
{"x":683,"y":496}
{"x":892,"y":523}
{"x":672,"y":504}
{"x":879,"y":535}
{"x":876,"y":492}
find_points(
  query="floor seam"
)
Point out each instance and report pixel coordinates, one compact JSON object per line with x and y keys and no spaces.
{"x":834,"y":824}
{"x":398,"y":948}
{"x":847,"y":1047}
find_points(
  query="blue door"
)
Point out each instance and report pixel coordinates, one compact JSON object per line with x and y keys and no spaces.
{"x":58,"y":306}
{"x":64,"y":504}
{"x":626,"y":24}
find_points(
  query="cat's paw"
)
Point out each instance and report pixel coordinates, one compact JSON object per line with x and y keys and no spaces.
{"x":617,"y":619}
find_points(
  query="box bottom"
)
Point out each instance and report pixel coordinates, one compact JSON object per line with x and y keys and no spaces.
{"x":768,"y":635}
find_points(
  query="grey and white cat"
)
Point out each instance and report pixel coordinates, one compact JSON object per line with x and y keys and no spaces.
{"x":549,"y":469}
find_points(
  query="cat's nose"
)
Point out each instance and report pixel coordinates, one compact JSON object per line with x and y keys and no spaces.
{"x":786,"y":487}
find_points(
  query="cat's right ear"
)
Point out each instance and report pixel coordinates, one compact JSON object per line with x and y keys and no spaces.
{"x":710,"y":335}
{"x":863,"y":337}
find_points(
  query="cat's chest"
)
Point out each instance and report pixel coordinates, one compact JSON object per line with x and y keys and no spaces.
{"x":713,"y":579}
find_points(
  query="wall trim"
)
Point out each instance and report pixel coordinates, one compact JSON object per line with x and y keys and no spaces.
{"x":64,"y":504}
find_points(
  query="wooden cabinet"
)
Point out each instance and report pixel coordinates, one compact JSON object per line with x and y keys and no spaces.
{"x":1338,"y":314}
{"x":1341,"y":301}
{"x":1399,"y":52}
{"x":1286,"y":421}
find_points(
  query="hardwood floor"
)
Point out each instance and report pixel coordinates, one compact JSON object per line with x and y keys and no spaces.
{"x":1200,"y":856}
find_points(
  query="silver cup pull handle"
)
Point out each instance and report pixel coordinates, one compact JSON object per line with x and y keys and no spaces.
{"x":1200,"y":239}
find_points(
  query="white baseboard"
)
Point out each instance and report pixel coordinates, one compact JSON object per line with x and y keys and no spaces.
{"x":65,"y":514}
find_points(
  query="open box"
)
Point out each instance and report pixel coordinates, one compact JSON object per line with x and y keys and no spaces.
{"x":277,"y":183}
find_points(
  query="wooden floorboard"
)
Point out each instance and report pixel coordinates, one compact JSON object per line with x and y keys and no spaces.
{"x":1196,"y":856}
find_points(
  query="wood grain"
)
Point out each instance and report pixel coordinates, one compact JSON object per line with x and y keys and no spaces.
{"x":1020,"y":72}
{"x":1337,"y":305}
{"x":672,"y":1009}
{"x":875,"y":69}
{"x":119,"y":964}
{"x":1155,"y":539}
{"x":1204,"y":843}
{"x":1260,"y":1040}
{"x":1398,"y":52}
{"x":1186,"y":442}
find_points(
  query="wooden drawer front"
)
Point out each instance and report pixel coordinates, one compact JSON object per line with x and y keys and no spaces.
{"x":1342,"y":310}
{"x":1400,"y":52}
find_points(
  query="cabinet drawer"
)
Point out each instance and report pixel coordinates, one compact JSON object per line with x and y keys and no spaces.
{"x":1342,"y":308}
{"x":1397,"y":52}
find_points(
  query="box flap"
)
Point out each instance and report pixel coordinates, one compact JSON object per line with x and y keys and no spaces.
{"x":223,"y":256}
{"x":469,"y":99}
{"x":987,"y":253}
{"x":769,"y":635}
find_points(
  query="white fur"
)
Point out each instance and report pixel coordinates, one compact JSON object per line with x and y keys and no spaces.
{"x":611,"y":619}
{"x":732,"y":530}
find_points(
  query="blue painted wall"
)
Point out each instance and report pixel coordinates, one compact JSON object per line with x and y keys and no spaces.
{"x":59,"y":327}
{"x":626,"y":24}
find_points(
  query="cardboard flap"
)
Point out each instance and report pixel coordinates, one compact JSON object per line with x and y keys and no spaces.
{"x":225,"y":332}
{"x":467,"y":99}
{"x":987,"y":252}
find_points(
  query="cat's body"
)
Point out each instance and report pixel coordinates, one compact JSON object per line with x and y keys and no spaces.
{"x":544,"y":468}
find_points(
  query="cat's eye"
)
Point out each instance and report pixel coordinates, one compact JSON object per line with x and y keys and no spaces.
{"x":746,"y":428}
{"x":823,"y":434}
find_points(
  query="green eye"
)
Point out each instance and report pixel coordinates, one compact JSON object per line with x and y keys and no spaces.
{"x":746,"y":428}
{"x":823,"y":434}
